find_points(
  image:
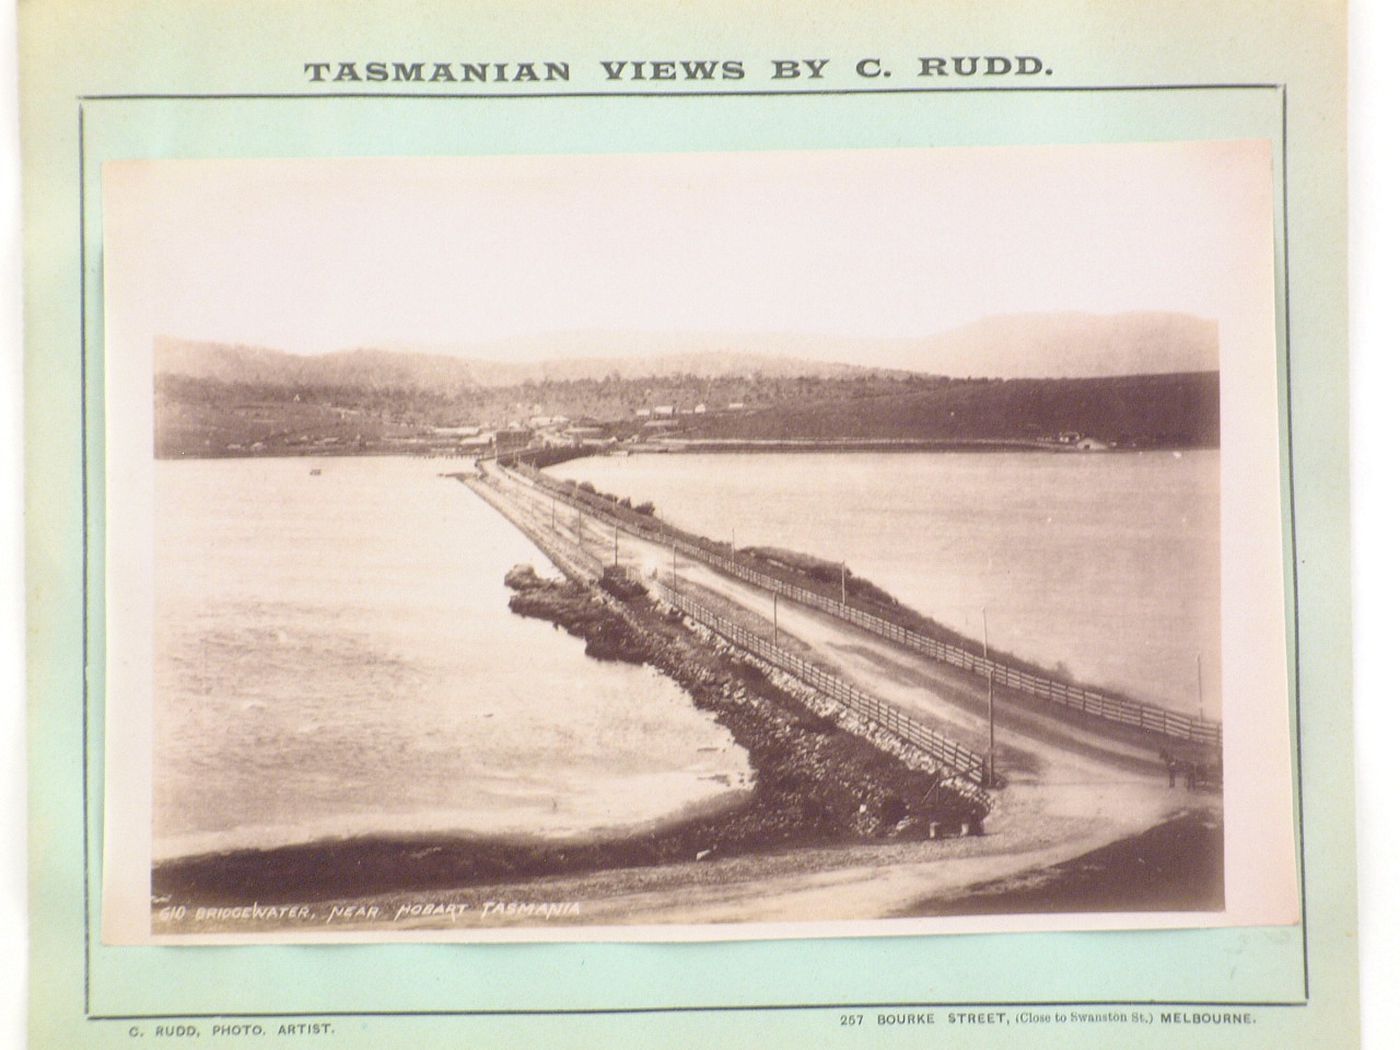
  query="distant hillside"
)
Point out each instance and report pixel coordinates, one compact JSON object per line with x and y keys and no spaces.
{"x":199,"y":417}
{"x":702,"y":364}
{"x":446,"y":374}
{"x":258,"y":365}
{"x":1136,"y":411}
{"x":196,"y":415}
{"x":1014,"y":346}
{"x":1051,"y":345}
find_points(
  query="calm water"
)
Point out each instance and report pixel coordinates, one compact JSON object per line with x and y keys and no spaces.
{"x":1107,"y":565}
{"x":335,"y":656}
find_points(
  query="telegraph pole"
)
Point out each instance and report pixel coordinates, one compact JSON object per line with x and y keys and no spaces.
{"x":614,"y":544}
{"x":1200,"y":689}
{"x":843,"y":583}
{"x":775,"y":618}
{"x":673,"y":564}
{"x":991,"y":707}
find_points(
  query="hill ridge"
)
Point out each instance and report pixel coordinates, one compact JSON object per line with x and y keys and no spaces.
{"x":1033,"y":345}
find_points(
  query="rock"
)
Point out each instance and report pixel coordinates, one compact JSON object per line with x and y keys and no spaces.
{"x":523,"y":578}
{"x":909,"y":827}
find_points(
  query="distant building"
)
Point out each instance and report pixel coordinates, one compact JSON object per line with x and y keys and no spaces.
{"x":664,"y":410}
{"x":512,"y":439}
{"x":464,"y":431}
{"x":700,"y":408}
{"x":735,"y":406}
{"x":642,"y":413}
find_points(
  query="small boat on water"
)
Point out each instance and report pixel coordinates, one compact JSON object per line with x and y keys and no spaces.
{"x":315,"y":472}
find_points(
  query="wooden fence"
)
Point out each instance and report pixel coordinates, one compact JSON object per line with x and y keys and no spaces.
{"x":947,"y":753}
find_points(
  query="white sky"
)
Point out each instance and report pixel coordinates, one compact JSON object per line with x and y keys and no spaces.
{"x":317,"y":255}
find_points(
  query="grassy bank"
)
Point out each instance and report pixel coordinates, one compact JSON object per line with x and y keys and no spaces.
{"x":1180,"y":410}
{"x":1178,"y":865}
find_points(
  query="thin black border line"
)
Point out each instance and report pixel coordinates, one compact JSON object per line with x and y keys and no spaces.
{"x":1293,"y":543}
{"x":83,"y":472}
{"x":700,"y":93}
{"x":1280,"y":88}
{"x":586,"y":1011}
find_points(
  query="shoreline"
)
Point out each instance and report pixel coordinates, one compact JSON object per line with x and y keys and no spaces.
{"x":924,"y":879}
{"x":210,"y":847}
{"x":741,"y":446}
{"x":707,"y":446}
{"x":814,"y":784}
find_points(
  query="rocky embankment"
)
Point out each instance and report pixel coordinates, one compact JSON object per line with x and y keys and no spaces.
{"x":573,"y":607}
{"x":814,"y":781}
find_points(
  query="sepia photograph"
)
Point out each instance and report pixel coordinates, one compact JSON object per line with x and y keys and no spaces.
{"x":695,"y":545}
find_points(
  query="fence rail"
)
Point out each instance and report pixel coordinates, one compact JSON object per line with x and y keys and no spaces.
{"x":946,"y":752}
{"x":1088,"y":701}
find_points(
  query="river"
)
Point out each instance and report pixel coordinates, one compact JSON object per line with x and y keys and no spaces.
{"x":335,"y":657}
{"x":1105,"y":566}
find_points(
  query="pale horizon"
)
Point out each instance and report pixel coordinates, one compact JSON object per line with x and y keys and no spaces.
{"x":506,"y":349}
{"x":311,"y":256}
